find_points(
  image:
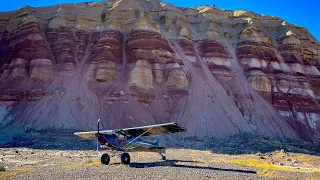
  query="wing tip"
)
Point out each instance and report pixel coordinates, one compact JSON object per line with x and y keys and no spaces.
{"x":180,"y":126}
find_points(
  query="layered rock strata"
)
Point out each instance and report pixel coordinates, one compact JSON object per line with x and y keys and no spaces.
{"x":137,"y":62}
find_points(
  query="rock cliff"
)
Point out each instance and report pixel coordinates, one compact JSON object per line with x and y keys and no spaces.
{"x":140,"y":62}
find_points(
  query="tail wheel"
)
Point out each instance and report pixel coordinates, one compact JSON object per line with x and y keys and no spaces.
{"x":125,"y":158}
{"x":105,"y":159}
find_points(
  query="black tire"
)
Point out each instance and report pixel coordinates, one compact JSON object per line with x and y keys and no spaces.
{"x":164,"y":158}
{"x":105,"y":159}
{"x":125,"y":158}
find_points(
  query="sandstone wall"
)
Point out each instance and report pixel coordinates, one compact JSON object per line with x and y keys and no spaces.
{"x":137,"y":62}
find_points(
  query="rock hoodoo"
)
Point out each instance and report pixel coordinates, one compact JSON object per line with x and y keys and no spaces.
{"x":139,"y":62}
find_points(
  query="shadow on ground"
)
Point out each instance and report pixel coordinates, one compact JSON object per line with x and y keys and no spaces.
{"x":174,"y":163}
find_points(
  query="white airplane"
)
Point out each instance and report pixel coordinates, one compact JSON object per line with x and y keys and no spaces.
{"x":128,"y":140}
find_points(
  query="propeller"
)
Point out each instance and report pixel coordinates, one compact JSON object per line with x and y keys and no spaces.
{"x":98,"y":134}
{"x":98,"y":122}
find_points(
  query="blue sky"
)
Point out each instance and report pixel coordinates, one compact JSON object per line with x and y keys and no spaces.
{"x":305,"y":13}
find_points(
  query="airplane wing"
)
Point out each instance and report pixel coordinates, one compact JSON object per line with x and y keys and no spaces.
{"x":91,"y":135}
{"x":152,"y":130}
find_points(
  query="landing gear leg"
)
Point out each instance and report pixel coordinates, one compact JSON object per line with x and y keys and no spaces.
{"x":162,"y":153}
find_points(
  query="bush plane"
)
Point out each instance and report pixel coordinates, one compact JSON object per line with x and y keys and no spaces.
{"x":129,"y":140}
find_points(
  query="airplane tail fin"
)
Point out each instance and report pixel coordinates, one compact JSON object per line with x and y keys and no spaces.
{"x":157,"y":142}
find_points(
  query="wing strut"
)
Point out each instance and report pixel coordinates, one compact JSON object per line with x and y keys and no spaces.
{"x":137,"y":137}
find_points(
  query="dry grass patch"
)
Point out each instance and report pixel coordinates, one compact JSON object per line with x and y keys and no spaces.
{"x":93,"y":163}
{"x":75,"y":165}
{"x":308,"y":160}
{"x":23,"y":170}
{"x":267,"y":173}
{"x":316,"y":171}
{"x":208,"y":152}
{"x":260,"y":164}
{"x":7,"y":175}
{"x":14,"y":172}
{"x":70,"y":166}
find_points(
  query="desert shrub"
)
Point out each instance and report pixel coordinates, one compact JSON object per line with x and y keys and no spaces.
{"x":2,"y":169}
{"x":89,"y":161}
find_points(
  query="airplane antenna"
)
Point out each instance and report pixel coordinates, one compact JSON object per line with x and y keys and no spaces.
{"x":98,"y":126}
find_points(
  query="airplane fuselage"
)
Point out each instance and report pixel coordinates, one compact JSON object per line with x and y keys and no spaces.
{"x":114,"y":142}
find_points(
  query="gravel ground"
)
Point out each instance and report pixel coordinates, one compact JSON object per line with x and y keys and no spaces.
{"x":26,"y":163}
{"x":53,"y":155}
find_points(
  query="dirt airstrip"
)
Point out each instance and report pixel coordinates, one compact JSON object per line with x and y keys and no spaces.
{"x":25,"y":163}
{"x":58,"y":155}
